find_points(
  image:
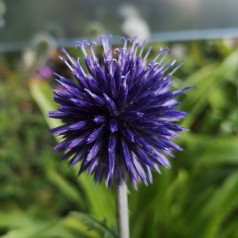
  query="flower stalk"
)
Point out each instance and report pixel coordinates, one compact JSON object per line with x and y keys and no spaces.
{"x":122,"y":211}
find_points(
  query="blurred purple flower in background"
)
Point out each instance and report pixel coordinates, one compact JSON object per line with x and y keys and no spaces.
{"x":44,"y":72}
{"x":118,"y":117}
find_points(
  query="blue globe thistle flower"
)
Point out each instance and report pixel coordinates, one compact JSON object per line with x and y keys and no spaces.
{"x":118,"y":116}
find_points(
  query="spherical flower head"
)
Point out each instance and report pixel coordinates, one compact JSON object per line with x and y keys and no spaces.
{"x":118,"y":115}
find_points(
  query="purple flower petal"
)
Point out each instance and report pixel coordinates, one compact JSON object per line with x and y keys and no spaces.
{"x":94,"y":135}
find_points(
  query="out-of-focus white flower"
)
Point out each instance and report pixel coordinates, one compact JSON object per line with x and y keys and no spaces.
{"x":178,"y":51}
{"x":230,"y":42}
{"x":136,"y":26}
{"x":29,"y":58}
{"x":133,"y":23}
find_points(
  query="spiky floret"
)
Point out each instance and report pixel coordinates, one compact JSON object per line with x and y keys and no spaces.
{"x":118,"y":116}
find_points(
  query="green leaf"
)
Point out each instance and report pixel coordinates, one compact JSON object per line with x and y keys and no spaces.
{"x":93,"y":224}
{"x":42,"y":94}
{"x":32,"y":231}
{"x":101,"y":199}
{"x":14,"y":220}
{"x":66,"y":188}
{"x":203,"y":82}
{"x":213,"y":151}
{"x":21,"y":226}
{"x":219,"y":205}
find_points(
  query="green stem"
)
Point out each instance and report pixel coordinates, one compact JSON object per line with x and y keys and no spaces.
{"x":122,"y":211}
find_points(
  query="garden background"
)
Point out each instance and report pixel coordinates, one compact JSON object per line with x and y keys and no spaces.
{"x":42,"y":197}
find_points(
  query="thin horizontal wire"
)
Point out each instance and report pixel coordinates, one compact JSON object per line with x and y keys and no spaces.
{"x":188,"y":35}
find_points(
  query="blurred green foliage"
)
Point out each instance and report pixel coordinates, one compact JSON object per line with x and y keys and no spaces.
{"x":197,"y":197}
